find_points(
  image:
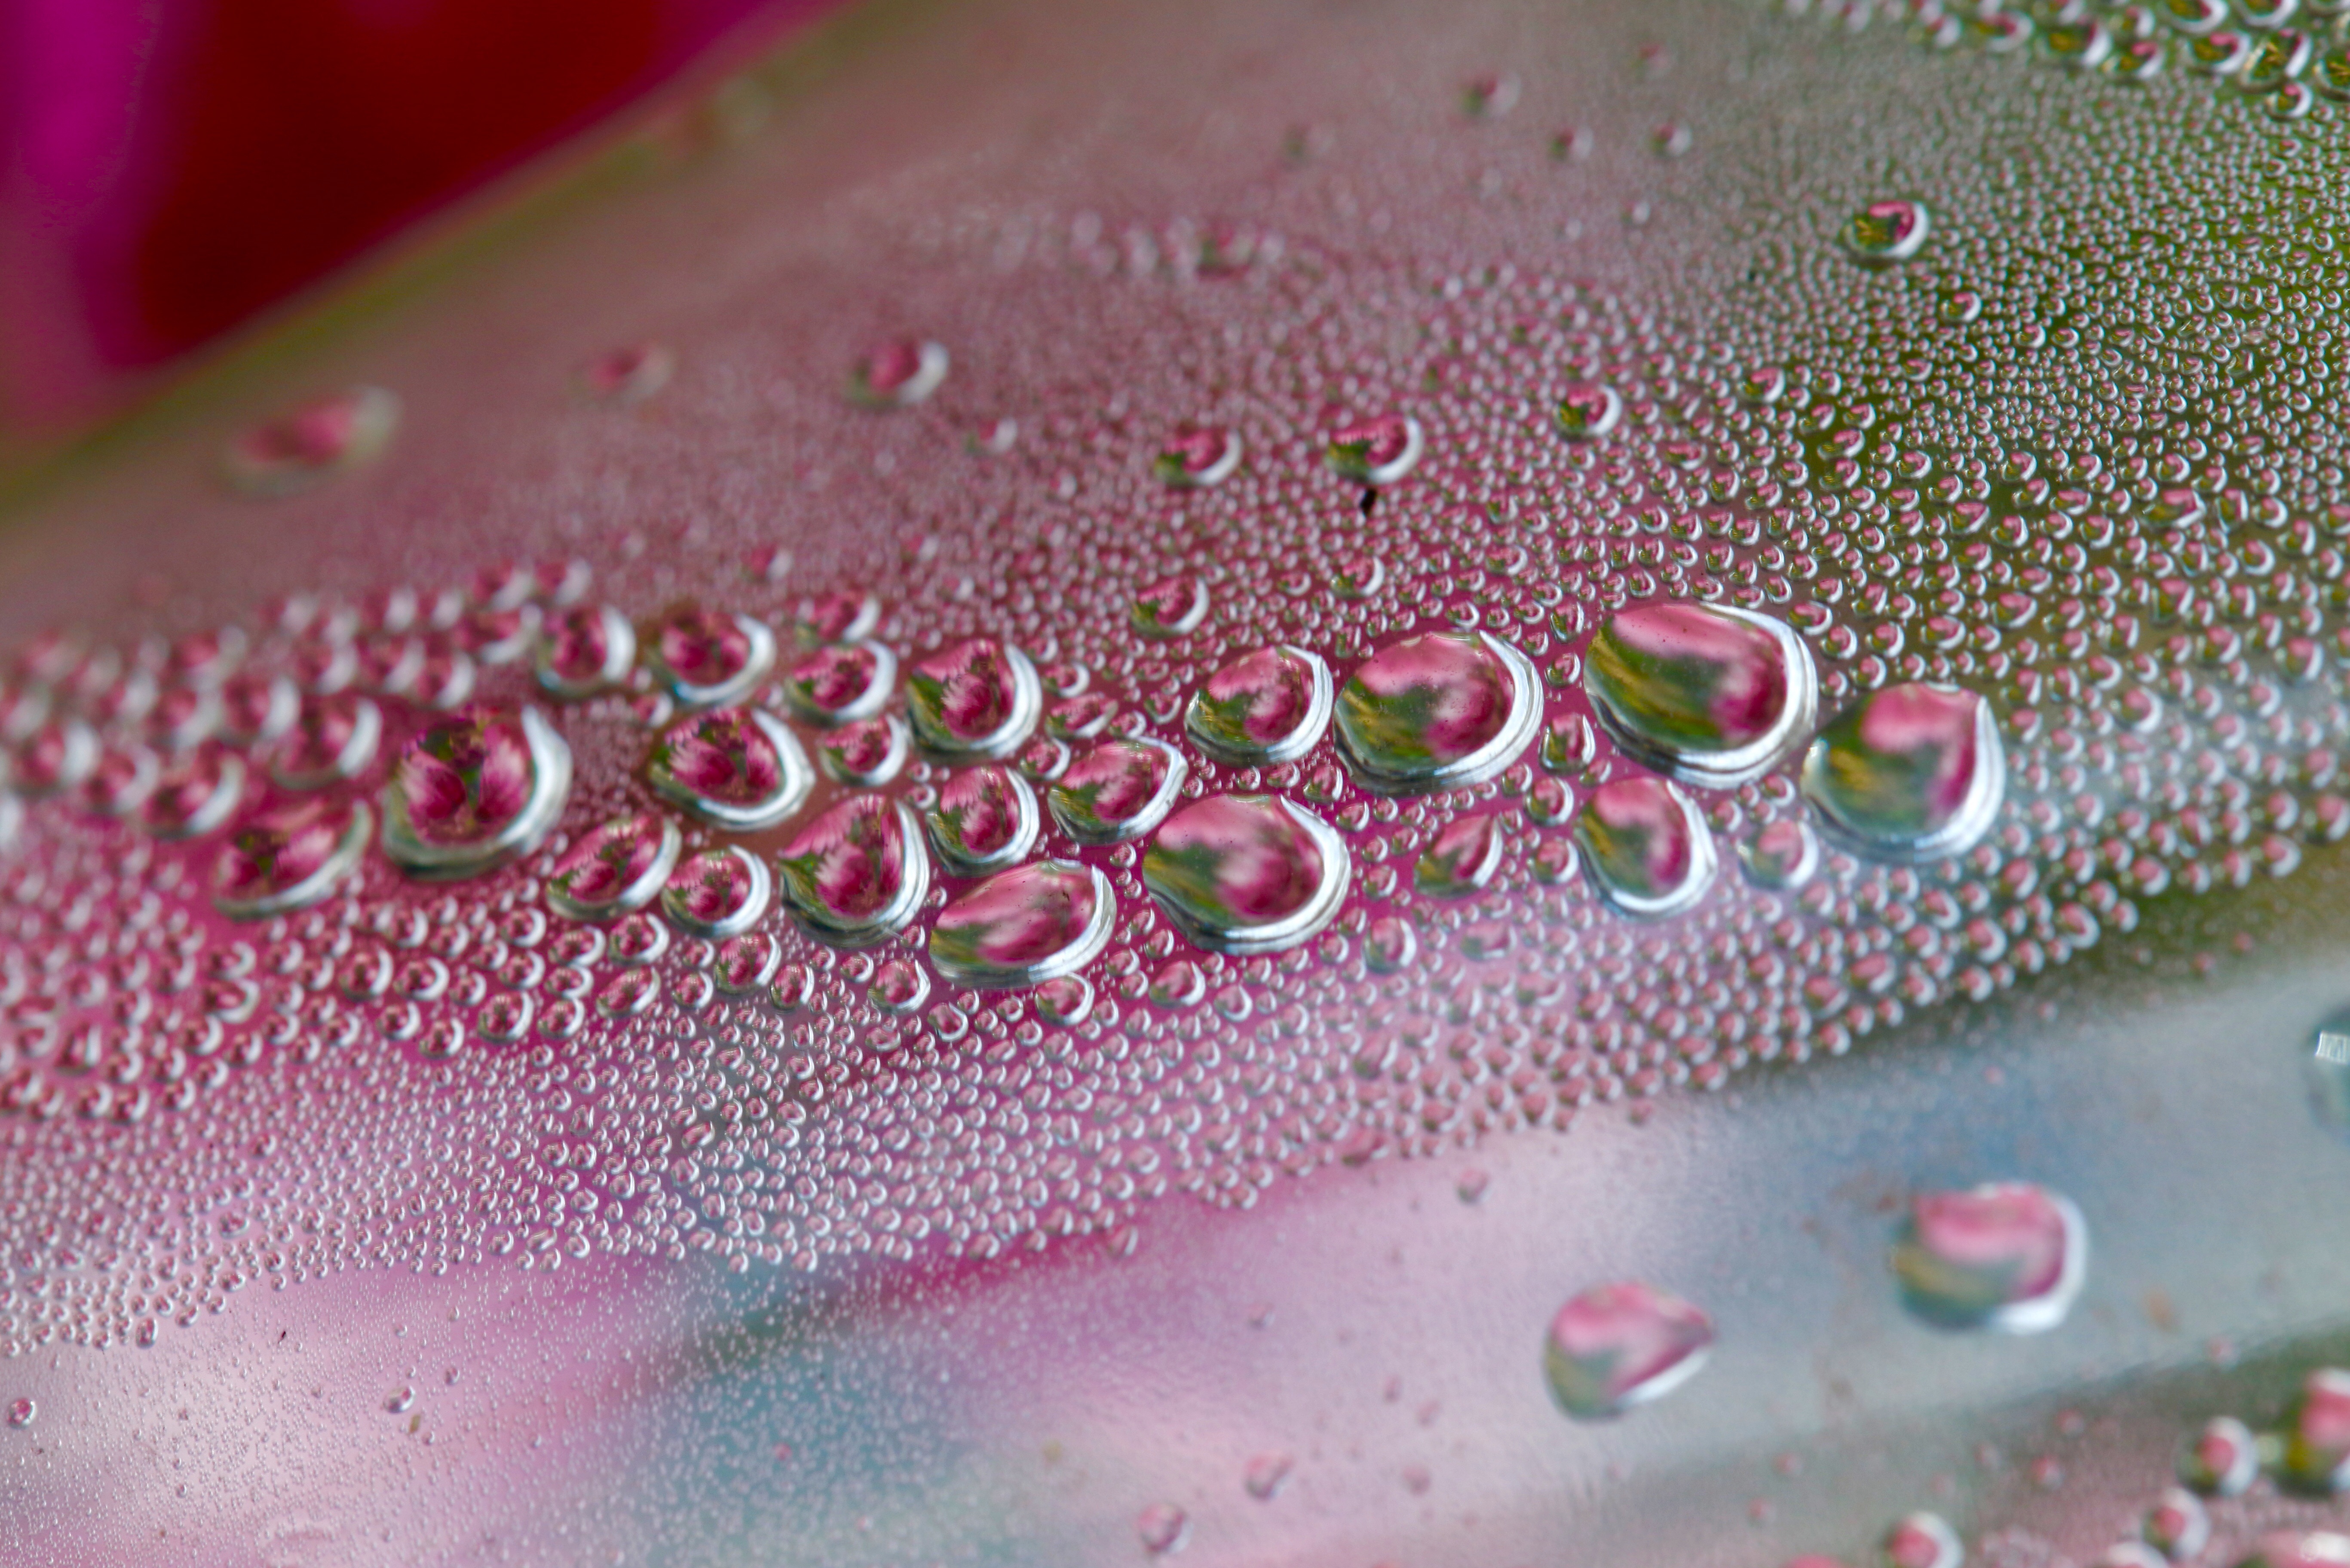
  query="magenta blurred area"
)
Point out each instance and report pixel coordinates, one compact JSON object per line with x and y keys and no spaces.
{"x":175,"y":169}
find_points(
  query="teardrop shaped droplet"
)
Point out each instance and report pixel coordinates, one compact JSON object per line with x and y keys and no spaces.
{"x":1781,"y":855}
{"x":1587,"y":411}
{"x":899,"y":375}
{"x":709,"y":659}
{"x":1646,"y":847}
{"x":195,"y":794}
{"x":1438,"y":710}
{"x":842,"y":617}
{"x":974,"y":701}
{"x":2007,"y":1256}
{"x":1378,"y":450}
{"x":1119,"y":789}
{"x":1035,"y":922}
{"x":288,"y":855}
{"x":1169,"y":607}
{"x":334,"y":738}
{"x":841,"y":682}
{"x":1616,"y":1346}
{"x":1247,"y":873}
{"x":1885,"y":233}
{"x":735,"y":768}
{"x":868,"y":752}
{"x":746,"y":963}
{"x":615,"y":867}
{"x":1911,"y":772}
{"x":584,"y":649}
{"x":1197,"y":457}
{"x":1462,"y":857}
{"x":474,"y":790}
{"x":857,"y":874}
{"x":717,"y":894}
{"x":1709,"y":694}
{"x":985,"y":819}
{"x":1266,"y":706}
{"x":321,"y":438}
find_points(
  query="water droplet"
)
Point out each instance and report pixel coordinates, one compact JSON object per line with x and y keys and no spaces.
{"x":1067,"y":999}
{"x":898,"y":987}
{"x":322,"y":438}
{"x":60,"y":756}
{"x":1911,"y":772}
{"x":1645,"y":847}
{"x":2328,"y":1073}
{"x":2006,"y":1256}
{"x":1169,"y":607}
{"x":1196,"y":458}
{"x":841,"y":682}
{"x":627,"y":375}
{"x":1921,"y":1540}
{"x":868,"y":752}
{"x":1378,"y":450}
{"x":1266,"y":706}
{"x":288,"y":855}
{"x":899,"y":375}
{"x":1462,"y":858}
{"x":584,"y":649}
{"x":746,"y":963}
{"x":2318,"y":1435}
{"x":843,"y":617}
{"x":1885,"y":233}
{"x":2177,"y":1525}
{"x":857,"y":874}
{"x":974,"y":701}
{"x":1709,"y":694}
{"x":1438,"y":710}
{"x":1489,"y":97}
{"x":1119,"y":789}
{"x":21,"y":1412}
{"x":738,"y":769}
{"x":333,"y":739}
{"x":1781,"y":854}
{"x":613,"y":868}
{"x":709,"y":659}
{"x":1164,"y":1528}
{"x":474,"y":790}
{"x":1586,"y":410}
{"x":1265,"y":1474}
{"x":1247,"y":873}
{"x":1616,"y":1346}
{"x":2221,"y":1459}
{"x":985,"y":819}
{"x":1037,"y":922}
{"x":2300,"y":1549}
{"x":718,"y":893}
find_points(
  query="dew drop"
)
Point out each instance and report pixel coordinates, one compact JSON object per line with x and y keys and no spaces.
{"x":322,"y":438}
{"x":1911,"y":772}
{"x":613,"y":868}
{"x":584,"y":649}
{"x":738,"y":769}
{"x":1379,"y":451}
{"x":193,"y":795}
{"x":1587,"y":411}
{"x":288,"y":855}
{"x":2299,"y":1549}
{"x":2010,"y":1257}
{"x":868,"y":752}
{"x":1462,"y":858}
{"x":627,"y":375}
{"x":1266,"y":706}
{"x":2222,"y":1458}
{"x":974,"y":701}
{"x":985,"y":819}
{"x":745,"y":964}
{"x":474,"y":790}
{"x":1921,"y":1540}
{"x":1119,"y":789}
{"x":709,"y":659}
{"x":841,"y":682}
{"x":1438,"y":710}
{"x":1709,"y":694}
{"x":1247,"y":873}
{"x":1886,"y":233}
{"x":857,"y":874}
{"x":1196,"y":458}
{"x":1171,"y":606}
{"x":1645,"y":845}
{"x":899,"y":375}
{"x":1041,"y":922}
{"x":1619,"y":1345}
{"x":1780,"y":856}
{"x":333,"y":739}
{"x":1164,"y":1528}
{"x":2316,"y":1460}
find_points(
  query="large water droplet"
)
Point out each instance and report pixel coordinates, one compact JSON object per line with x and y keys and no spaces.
{"x":2007,"y":1256}
{"x":1646,"y":847}
{"x":986,"y":820}
{"x":1037,"y":922}
{"x":325,"y":436}
{"x":288,"y":855}
{"x":1438,"y":710}
{"x":1618,"y":1345}
{"x":857,"y":874}
{"x":841,"y":682}
{"x":723,"y":893}
{"x":737,"y":768}
{"x":1119,"y":789}
{"x":584,"y":649}
{"x":1885,"y":233}
{"x":615,"y":867}
{"x":1378,"y":450}
{"x":1911,"y":772}
{"x":2177,"y":1525}
{"x":1266,"y":706}
{"x":1707,"y":694}
{"x":474,"y":790}
{"x":707,"y":658}
{"x":973,"y":700}
{"x":1247,"y":874}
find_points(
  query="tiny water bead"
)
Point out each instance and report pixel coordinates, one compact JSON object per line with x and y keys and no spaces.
{"x":1438,"y":710}
{"x":722,"y":893}
{"x":1619,"y":1345}
{"x":2010,"y":1257}
{"x":1709,"y":694}
{"x":985,"y":819}
{"x":1171,"y":606}
{"x":474,"y":790}
{"x":288,"y":855}
{"x":22,"y":1412}
{"x":2222,"y":1458}
{"x":1911,"y":772}
{"x":1885,"y":233}
{"x":974,"y":701}
{"x":1377,"y":451}
{"x":857,"y":874}
{"x":1196,"y":458}
{"x":584,"y":649}
{"x":627,"y":375}
{"x":841,"y":682}
{"x":1035,"y":923}
{"x":1588,"y":411}
{"x":322,"y":438}
{"x":1164,"y":1528}
{"x":709,"y":659}
{"x":615,"y":867}
{"x":737,"y":769}
{"x":1119,"y":789}
{"x":897,"y":375}
{"x":1266,"y":707}
{"x":1645,"y":845}
{"x":1921,"y":1540}
{"x":1462,"y":858}
{"x":1247,"y":873}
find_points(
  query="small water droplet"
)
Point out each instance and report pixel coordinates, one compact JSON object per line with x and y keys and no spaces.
{"x":899,"y":375}
{"x":615,"y":867}
{"x":2006,"y":1256}
{"x":584,"y":649}
{"x":1164,"y":1528}
{"x":2316,"y":1458}
{"x":1377,"y":451}
{"x":1266,"y":706}
{"x":985,"y":819}
{"x":1615,"y":1346}
{"x":2177,"y":1525}
{"x":1462,"y":857}
{"x":1119,"y":789}
{"x":1198,"y":457}
{"x":21,"y":1412}
{"x":1587,"y":411}
{"x":288,"y":855}
{"x":973,"y":700}
{"x":627,"y":375}
{"x":857,"y":874}
{"x":1645,"y":847}
{"x":1169,"y":607}
{"x":1709,"y":694}
{"x":709,"y":659}
{"x":738,"y":769}
{"x":1886,"y":233}
{"x":840,"y":683}
{"x":1921,"y":1540}
{"x":720,"y":893}
{"x":328,"y":436}
{"x":1265,"y":1474}
{"x":2222,"y":1458}
{"x":474,"y":790}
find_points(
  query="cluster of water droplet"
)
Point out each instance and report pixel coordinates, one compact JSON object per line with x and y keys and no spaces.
{"x":1338,"y":755}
